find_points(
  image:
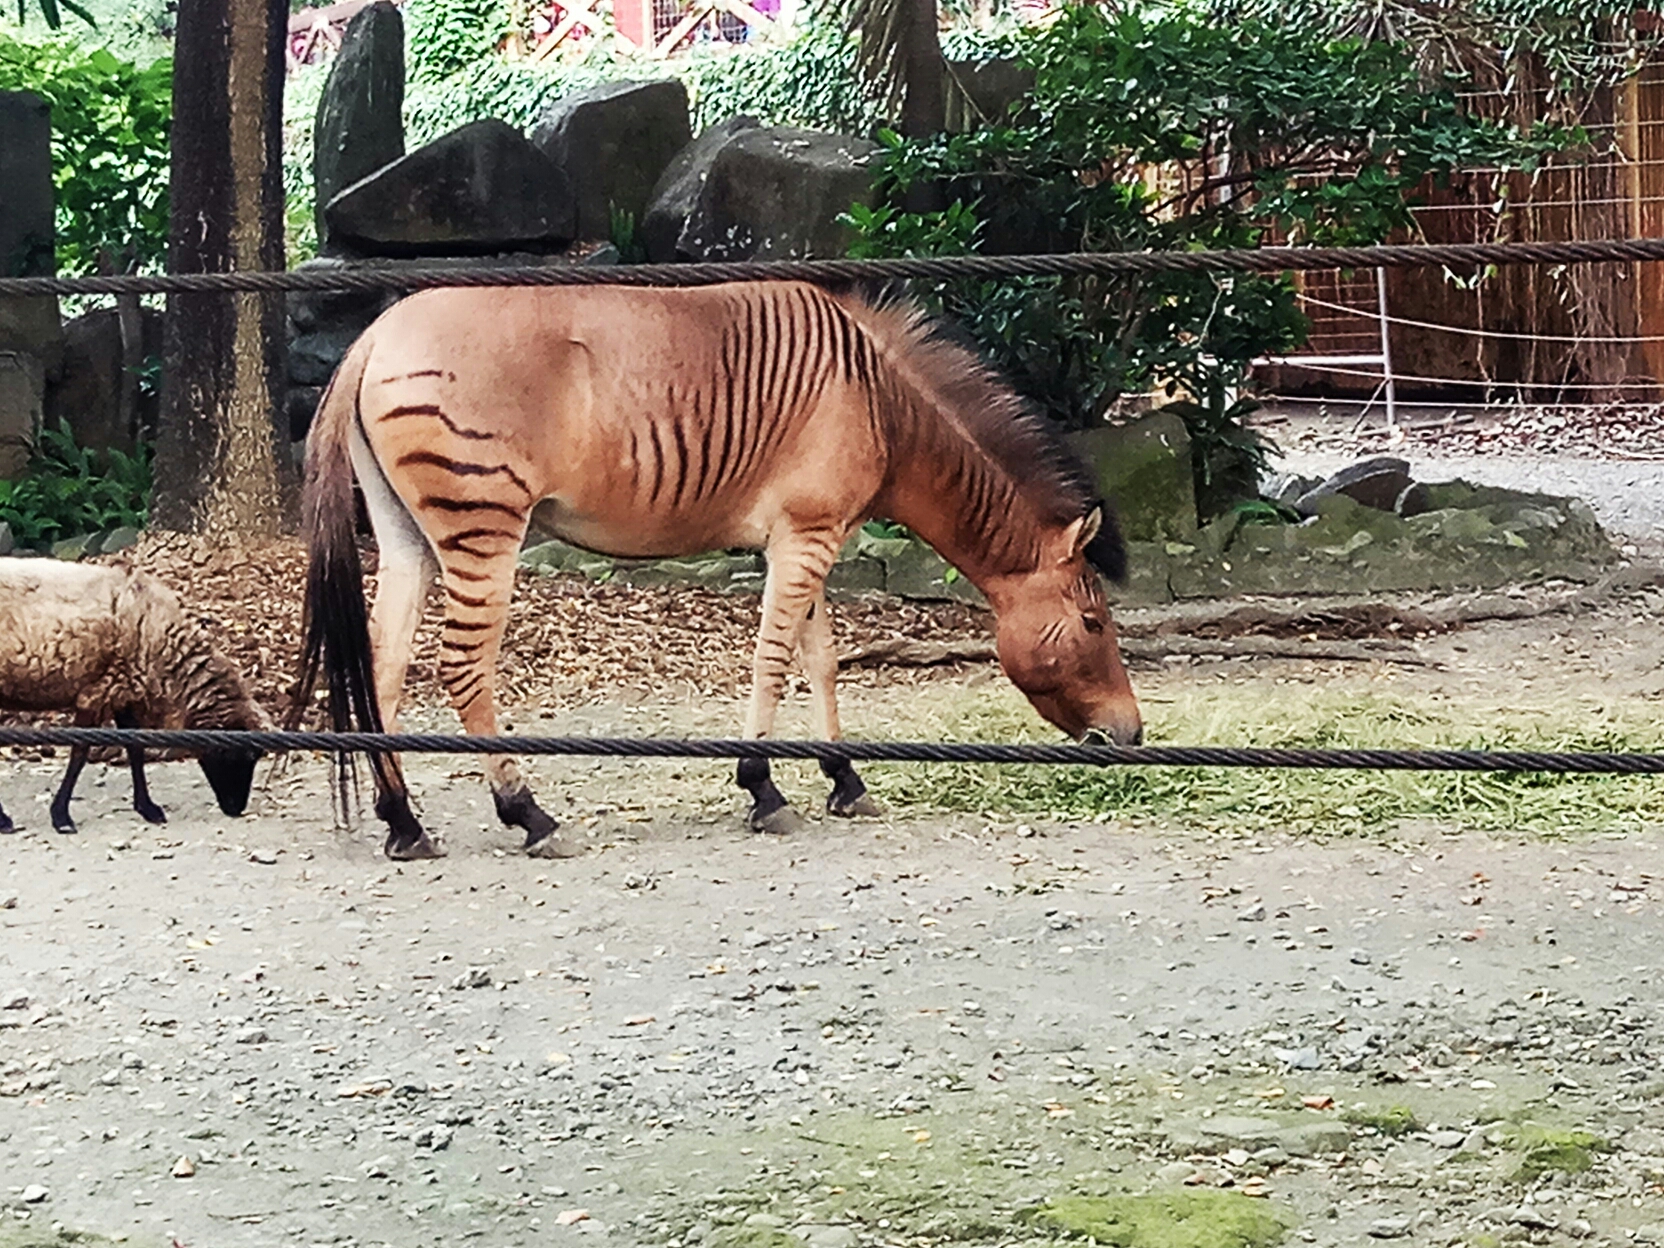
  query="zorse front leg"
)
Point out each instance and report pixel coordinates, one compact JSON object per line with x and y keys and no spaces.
{"x":797,"y":566}
{"x":820,"y":663}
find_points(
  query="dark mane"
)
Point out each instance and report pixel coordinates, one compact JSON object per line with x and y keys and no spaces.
{"x":1002,"y":423}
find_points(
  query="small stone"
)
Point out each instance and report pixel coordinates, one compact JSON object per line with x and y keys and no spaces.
{"x":1446,"y":1139}
{"x":1253,"y":914}
{"x":34,"y":1194}
{"x":1580,"y":1228}
{"x":1298,"y":1059}
{"x":265,"y":857}
{"x":1476,"y":1140}
{"x":380,"y":1168}
{"x":1389,"y":1228}
{"x":16,"y":999}
{"x":754,"y":939}
{"x":1530,"y":1215}
{"x":251,"y":1035}
{"x":8,"y":901}
{"x":132,"y":1061}
{"x":570,"y":1217}
{"x":184,"y":1168}
{"x":1359,"y":957}
{"x":473,"y":977}
{"x":1176,"y":1172}
{"x":1650,"y":1233}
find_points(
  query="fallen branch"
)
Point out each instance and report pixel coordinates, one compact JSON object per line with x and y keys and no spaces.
{"x":901,"y":652}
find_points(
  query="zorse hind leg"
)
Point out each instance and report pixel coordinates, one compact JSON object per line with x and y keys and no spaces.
{"x":403,"y":577}
{"x":404,"y":573}
{"x":476,"y":612}
{"x":820,"y":663}
{"x":797,"y":566}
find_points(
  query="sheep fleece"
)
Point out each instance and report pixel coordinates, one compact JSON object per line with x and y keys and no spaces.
{"x":96,"y":640}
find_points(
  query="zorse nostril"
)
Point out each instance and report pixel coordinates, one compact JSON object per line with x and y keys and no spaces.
{"x":1094,"y":736}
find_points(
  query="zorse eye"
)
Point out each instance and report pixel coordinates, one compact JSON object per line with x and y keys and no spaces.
{"x":1093,"y":623}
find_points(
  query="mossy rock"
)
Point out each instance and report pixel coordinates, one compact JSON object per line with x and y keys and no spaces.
{"x":1169,"y":1219}
{"x":1545,"y":1149}
{"x":1393,"y":1120}
{"x":1143,"y":468}
{"x":752,"y":1237}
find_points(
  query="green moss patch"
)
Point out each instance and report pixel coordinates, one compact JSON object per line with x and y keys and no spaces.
{"x":1185,"y":1219}
{"x":1545,"y":1149}
{"x":1394,"y":1120}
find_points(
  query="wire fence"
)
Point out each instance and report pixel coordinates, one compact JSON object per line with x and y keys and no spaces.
{"x":372,"y":278}
{"x":1563,"y":763}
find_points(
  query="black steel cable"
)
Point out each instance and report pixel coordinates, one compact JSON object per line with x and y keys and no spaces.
{"x":370,"y":277}
{"x":855,"y":751}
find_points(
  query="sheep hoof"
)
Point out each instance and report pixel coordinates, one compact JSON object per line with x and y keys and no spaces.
{"x":152,"y":813}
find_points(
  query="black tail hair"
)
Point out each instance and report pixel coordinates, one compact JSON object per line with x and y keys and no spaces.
{"x":337,"y":621}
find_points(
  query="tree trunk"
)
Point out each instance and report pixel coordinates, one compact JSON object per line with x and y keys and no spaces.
{"x":217,"y":466}
{"x":924,"y":101}
{"x":924,"y":105}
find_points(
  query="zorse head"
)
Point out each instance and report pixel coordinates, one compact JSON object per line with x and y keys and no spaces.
{"x":1057,"y":642}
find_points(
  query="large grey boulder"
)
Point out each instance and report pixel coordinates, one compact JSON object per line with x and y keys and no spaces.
{"x":1143,"y":468}
{"x":31,"y":341}
{"x":614,"y":141}
{"x":360,"y":121}
{"x":676,"y":194}
{"x":480,"y":189}
{"x":87,"y":390}
{"x":761,"y":193}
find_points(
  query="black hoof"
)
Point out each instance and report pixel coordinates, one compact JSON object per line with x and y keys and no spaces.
{"x":406,"y":841}
{"x":552,"y":847}
{"x":520,"y":810}
{"x":6,"y":824}
{"x":849,"y":797}
{"x":412,"y":851}
{"x":862,"y":806}
{"x":781,"y":821}
{"x":152,"y":813}
{"x":65,"y":826}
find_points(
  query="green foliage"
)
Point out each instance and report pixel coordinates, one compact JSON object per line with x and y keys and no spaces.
{"x":1394,"y":1120}
{"x":447,"y":36}
{"x":110,"y":124}
{"x":1172,"y":132}
{"x":69,"y":490}
{"x":53,"y":11}
{"x":809,"y":81}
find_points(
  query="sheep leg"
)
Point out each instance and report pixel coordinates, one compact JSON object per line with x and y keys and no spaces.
{"x":60,"y":804}
{"x":148,"y":810}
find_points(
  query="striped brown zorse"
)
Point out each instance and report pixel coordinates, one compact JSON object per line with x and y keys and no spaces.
{"x":650,"y":423}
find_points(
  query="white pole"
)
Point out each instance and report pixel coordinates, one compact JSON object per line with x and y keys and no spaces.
{"x":1386,"y":349}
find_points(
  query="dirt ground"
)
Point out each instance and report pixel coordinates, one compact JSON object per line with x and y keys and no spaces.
{"x":914,"y":1030}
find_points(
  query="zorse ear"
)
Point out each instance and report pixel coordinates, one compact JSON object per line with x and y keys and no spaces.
{"x":1079,"y":535}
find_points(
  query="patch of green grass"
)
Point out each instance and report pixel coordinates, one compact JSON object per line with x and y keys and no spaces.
{"x":1302,"y":801}
{"x":1545,"y":1149}
{"x":1394,"y":1120}
{"x":1184,"y":1219}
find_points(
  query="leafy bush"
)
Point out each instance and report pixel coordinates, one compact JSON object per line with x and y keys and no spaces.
{"x":447,"y":36}
{"x":1172,"y":132}
{"x":110,"y":123}
{"x":69,"y":490}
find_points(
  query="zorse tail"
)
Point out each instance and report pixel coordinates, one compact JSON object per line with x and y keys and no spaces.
{"x":337,"y":622}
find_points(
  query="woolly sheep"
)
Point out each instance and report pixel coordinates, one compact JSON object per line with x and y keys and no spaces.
{"x":109,"y":644}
